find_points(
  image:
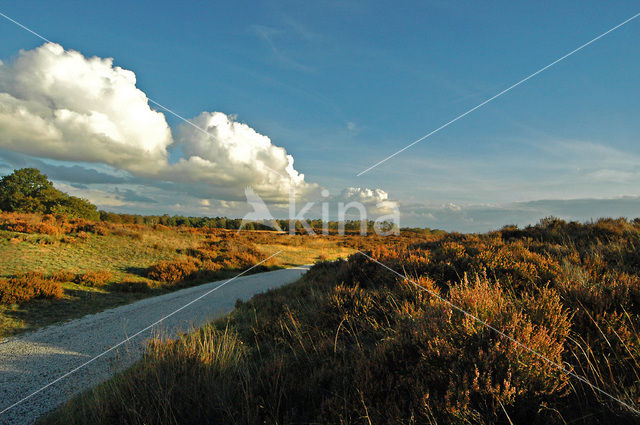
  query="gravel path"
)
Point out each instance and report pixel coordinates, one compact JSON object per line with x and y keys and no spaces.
{"x":31,"y":361}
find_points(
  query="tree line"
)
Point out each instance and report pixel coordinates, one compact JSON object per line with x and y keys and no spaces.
{"x":27,"y":190}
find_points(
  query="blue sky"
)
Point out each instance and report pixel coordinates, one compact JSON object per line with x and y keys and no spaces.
{"x":341,"y":85}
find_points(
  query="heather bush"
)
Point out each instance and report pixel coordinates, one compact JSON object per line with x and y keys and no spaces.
{"x":63,"y":276}
{"x":392,"y":354}
{"x":32,"y":285}
{"x":95,"y":278}
{"x":172,"y":271}
{"x":353,"y":343}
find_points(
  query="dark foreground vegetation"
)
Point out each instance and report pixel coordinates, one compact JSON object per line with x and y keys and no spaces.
{"x":352,"y":343}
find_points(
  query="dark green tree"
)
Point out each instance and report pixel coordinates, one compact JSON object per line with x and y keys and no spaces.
{"x":27,"y":190}
{"x":72,"y":206}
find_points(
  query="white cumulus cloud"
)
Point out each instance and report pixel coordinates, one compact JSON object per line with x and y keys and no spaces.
{"x":218,"y":148}
{"x":375,"y":200}
{"x":59,"y":104}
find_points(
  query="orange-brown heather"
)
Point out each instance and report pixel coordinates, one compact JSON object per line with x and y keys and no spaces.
{"x":352,"y":343}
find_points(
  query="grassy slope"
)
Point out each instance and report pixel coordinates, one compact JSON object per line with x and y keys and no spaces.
{"x":353,"y":344}
{"x":126,"y":254}
{"x":120,"y":254}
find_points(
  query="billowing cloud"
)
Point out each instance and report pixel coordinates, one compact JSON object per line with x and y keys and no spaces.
{"x":58,"y":104}
{"x":220,"y":149}
{"x":374,"y":198}
{"x":376,"y":201}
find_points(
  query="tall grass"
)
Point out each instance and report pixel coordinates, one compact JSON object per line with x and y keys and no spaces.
{"x":353,"y":344}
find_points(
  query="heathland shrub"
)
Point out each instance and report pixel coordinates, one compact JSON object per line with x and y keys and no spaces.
{"x":32,"y":285}
{"x":353,"y":343}
{"x":63,"y":276}
{"x":26,"y":223}
{"x":390,"y":355}
{"x":172,"y":271}
{"x":95,"y":278}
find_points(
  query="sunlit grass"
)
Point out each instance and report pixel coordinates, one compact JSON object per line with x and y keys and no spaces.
{"x":125,"y":253}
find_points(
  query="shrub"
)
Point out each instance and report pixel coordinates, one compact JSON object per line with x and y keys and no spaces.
{"x":13,"y":223}
{"x":94,"y":278}
{"x":47,"y":229}
{"x":210,"y":266}
{"x":63,"y":276}
{"x":203,"y":254}
{"x":172,"y":271}
{"x":373,"y":348}
{"x":22,"y":288}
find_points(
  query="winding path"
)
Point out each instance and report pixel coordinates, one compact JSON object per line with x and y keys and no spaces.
{"x":30,"y":361}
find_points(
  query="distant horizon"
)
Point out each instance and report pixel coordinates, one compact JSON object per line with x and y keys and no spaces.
{"x":586,"y":203}
{"x":585,"y":220}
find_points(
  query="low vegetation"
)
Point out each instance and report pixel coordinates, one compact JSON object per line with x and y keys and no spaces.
{"x":353,"y":343}
{"x":55,"y":267}
{"x":29,"y":286}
